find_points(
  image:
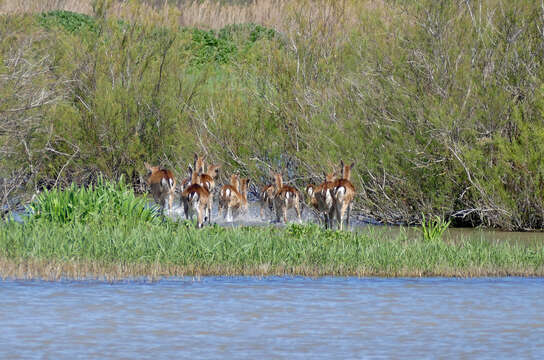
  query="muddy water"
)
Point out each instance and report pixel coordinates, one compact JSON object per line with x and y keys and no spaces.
{"x":296,"y":318}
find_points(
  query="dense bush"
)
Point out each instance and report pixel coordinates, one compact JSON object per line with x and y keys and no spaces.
{"x":105,"y":202}
{"x":70,"y":21}
{"x":439,"y":103}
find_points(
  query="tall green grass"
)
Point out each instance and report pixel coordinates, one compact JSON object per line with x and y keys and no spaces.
{"x":433,"y":228}
{"x":103,"y":202}
{"x":297,"y":249}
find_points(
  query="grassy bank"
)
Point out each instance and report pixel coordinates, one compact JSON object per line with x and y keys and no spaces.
{"x":42,"y":249}
{"x":440,"y":103}
{"x":106,"y":231}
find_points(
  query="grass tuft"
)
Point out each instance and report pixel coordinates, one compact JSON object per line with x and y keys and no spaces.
{"x":106,"y":201}
{"x":433,"y":228}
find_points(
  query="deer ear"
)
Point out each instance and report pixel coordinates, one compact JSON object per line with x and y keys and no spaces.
{"x":352,"y":165}
{"x":147,"y":166}
{"x":196,"y":156}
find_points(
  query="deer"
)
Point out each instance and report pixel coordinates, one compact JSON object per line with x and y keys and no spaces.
{"x":198,"y":167}
{"x":321,"y":197}
{"x":163,"y":185}
{"x":196,"y":198}
{"x":286,"y":197}
{"x":266,"y":199}
{"x":226,"y":192}
{"x":207,"y":179}
{"x":343,"y":193}
{"x":310,"y":190}
{"x":233,"y":198}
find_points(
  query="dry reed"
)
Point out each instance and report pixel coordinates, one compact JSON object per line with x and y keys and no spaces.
{"x":210,"y":14}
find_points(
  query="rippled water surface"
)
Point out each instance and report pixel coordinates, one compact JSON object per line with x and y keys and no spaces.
{"x":274,"y":318}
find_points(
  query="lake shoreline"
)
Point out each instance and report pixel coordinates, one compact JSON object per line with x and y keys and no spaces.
{"x":59,"y":270}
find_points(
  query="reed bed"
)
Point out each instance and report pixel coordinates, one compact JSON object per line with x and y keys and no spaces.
{"x":208,"y":14}
{"x":118,"y":249}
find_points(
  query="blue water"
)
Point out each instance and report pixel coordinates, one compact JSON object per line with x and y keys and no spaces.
{"x":295,"y":318}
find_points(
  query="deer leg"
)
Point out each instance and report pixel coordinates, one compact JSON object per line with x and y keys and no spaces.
{"x":278,"y":210}
{"x":199,"y":218}
{"x":297,"y":209}
{"x":209,"y":207}
{"x":338,"y":216}
{"x":348,"y":214}
{"x":171,"y":201}
{"x":229,"y":213}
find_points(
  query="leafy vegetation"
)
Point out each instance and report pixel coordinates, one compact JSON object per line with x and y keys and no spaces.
{"x":433,"y":228}
{"x":108,"y":226}
{"x":104,"y":202}
{"x":440,"y":103}
{"x":69,"y":21}
{"x":181,"y":249}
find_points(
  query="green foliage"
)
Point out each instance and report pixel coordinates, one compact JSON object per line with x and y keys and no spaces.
{"x":295,"y":250}
{"x":208,"y":47}
{"x":433,"y":228}
{"x":441,"y":109}
{"x":106,"y":202}
{"x":70,"y":21}
{"x":222,"y":46}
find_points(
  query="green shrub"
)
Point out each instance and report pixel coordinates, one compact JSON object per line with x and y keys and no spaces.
{"x":433,"y":228}
{"x":70,"y":21}
{"x":106,"y":201}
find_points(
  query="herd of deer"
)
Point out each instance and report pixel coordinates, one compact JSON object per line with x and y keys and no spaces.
{"x":334,"y":197}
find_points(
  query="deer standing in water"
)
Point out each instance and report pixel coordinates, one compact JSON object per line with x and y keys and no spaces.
{"x":343,"y":193}
{"x":163,"y":185}
{"x":321,"y":197}
{"x":266,"y":199}
{"x":198,"y":167}
{"x":196,"y":198}
{"x":286,"y":197}
{"x":233,"y":198}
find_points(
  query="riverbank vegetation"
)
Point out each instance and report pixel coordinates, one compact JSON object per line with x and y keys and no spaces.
{"x":41,"y":249}
{"x":106,"y":231}
{"x":440,"y":103}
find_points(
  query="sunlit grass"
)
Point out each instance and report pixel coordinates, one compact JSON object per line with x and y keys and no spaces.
{"x":103,"y":202}
{"x":123,"y":249}
{"x":434,"y":227}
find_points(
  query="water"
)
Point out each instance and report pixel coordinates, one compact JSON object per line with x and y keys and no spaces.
{"x":371,"y":227}
{"x":295,"y":318}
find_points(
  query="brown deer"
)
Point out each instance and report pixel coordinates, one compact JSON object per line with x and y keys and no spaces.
{"x":233,"y":200}
{"x":196,"y":198}
{"x":198,"y":167}
{"x":225,"y":193}
{"x":163,"y":185}
{"x":267,"y":199}
{"x":310,"y":193}
{"x":286,"y":197}
{"x":323,"y":198}
{"x":343,"y":193}
{"x":207,"y":179}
